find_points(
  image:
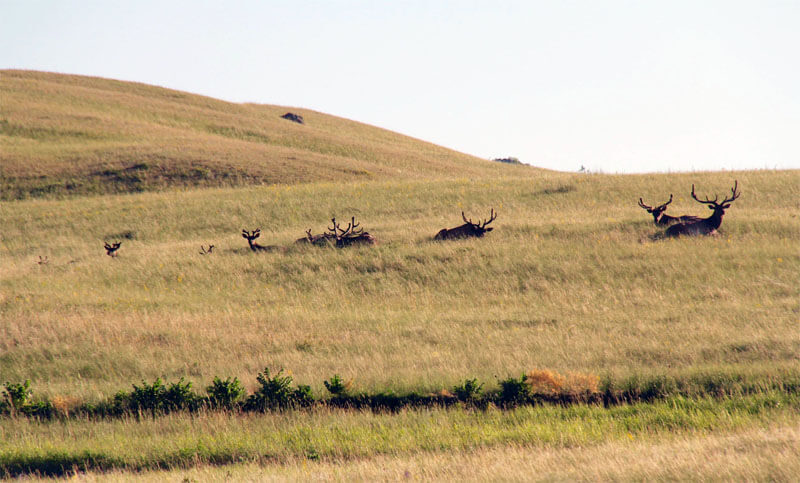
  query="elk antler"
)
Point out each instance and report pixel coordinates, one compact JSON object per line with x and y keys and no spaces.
{"x":726,"y":200}
{"x":492,"y":217}
{"x":641,"y":203}
{"x":203,"y":251}
{"x":707,"y":201}
{"x":733,"y":192}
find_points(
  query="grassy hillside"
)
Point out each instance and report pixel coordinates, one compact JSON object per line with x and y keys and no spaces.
{"x":573,"y":279}
{"x":569,"y":280}
{"x":66,"y":134}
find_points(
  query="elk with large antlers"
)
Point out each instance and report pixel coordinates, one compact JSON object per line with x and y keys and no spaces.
{"x":665,"y":220}
{"x":111,"y":250}
{"x":705,"y":226}
{"x":468,"y":229}
{"x":352,"y":235}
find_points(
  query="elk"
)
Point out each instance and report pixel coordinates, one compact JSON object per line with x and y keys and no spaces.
{"x":111,"y":250}
{"x":250,"y":236}
{"x":705,"y":226}
{"x":43,"y":260}
{"x":467,"y":229}
{"x":350,"y":235}
{"x":665,"y":220}
{"x":203,"y":250}
{"x":323,"y":239}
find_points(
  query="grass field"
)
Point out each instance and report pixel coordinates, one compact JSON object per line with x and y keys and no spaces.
{"x":66,"y":135}
{"x":572,"y":279}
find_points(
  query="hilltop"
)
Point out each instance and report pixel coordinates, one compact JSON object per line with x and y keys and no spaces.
{"x":68,"y":134}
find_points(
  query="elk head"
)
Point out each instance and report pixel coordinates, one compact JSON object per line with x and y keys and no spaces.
{"x":111,"y":250}
{"x":468,"y":229}
{"x":252,"y":235}
{"x":706,"y":226}
{"x":665,"y":220}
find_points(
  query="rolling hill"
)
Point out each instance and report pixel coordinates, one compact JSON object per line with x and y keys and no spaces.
{"x":68,"y":134}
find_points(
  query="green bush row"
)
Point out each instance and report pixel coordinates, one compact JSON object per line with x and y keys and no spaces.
{"x":276,"y":393}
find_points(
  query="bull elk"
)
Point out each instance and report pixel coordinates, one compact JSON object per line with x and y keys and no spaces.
{"x":250,"y":236}
{"x":352,"y":235}
{"x":467,"y":229}
{"x":705,"y":226}
{"x":111,"y":250}
{"x":662,"y":219}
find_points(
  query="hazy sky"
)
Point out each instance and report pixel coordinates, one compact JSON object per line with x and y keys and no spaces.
{"x":617,"y":86}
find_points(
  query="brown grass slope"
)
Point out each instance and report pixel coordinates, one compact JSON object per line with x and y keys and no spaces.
{"x":67,"y":134}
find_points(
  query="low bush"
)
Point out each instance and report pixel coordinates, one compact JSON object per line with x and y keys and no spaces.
{"x":224,"y":394}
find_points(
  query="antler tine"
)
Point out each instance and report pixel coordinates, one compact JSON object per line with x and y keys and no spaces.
{"x":733,"y":192}
{"x":355,"y":225}
{"x":465,"y":219}
{"x":492,"y":217}
{"x":668,"y":202}
{"x":347,"y":230}
{"x":641,"y":203}
{"x":707,"y":201}
{"x":335,"y":226}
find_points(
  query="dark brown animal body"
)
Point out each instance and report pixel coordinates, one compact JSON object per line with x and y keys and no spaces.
{"x":705,"y":226}
{"x":468,"y":229}
{"x":662,"y":219}
{"x":319,"y":240}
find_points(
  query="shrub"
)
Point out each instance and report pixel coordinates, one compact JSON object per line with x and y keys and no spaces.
{"x":179,"y":396}
{"x":544,"y":382}
{"x":224,"y":394}
{"x":276,"y":393}
{"x":469,"y":390}
{"x":17,"y":395}
{"x":514,"y":392}
{"x":338,"y":387}
{"x":159,"y":398}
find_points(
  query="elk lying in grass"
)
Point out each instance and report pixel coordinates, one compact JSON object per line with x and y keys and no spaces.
{"x":705,"y":226}
{"x":468,"y":229}
{"x":338,"y":236}
{"x":111,"y":250}
{"x":250,"y":236}
{"x":665,"y":220}
{"x":352,"y":235}
{"x":320,"y":240}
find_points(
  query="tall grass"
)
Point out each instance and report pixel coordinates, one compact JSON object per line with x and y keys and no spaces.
{"x":333,"y":436}
{"x":570,"y":280}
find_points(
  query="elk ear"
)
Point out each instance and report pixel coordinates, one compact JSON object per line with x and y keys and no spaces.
{"x":726,"y":206}
{"x":490,"y":228}
{"x":244,"y":236}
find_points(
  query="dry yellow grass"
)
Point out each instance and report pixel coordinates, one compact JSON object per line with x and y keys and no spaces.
{"x":762,"y":454}
{"x":67,"y":134}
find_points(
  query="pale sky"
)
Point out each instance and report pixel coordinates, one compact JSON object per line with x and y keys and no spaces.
{"x":615,"y":86}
